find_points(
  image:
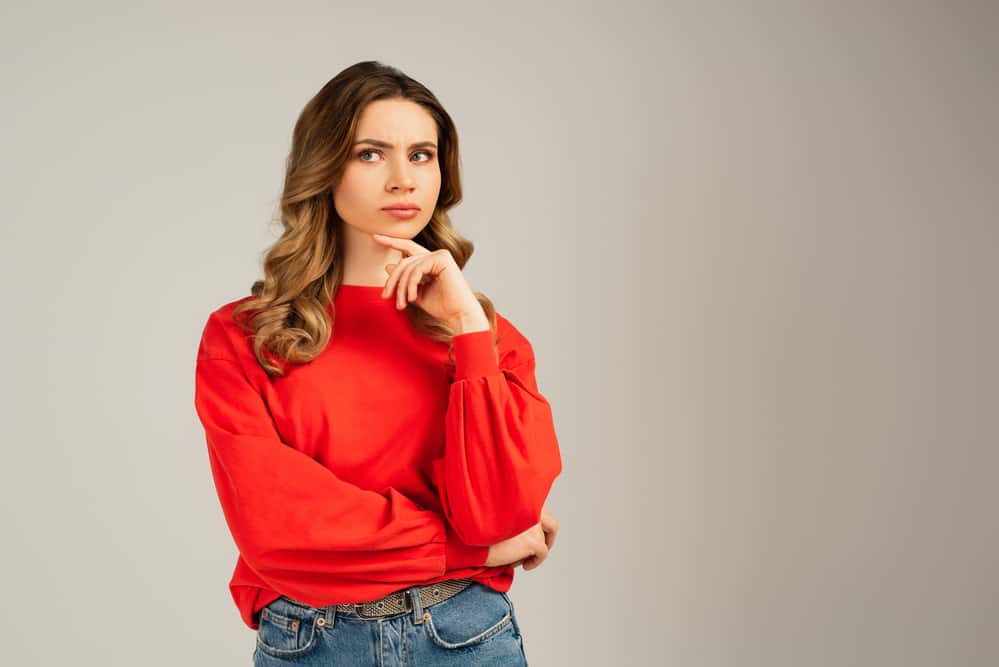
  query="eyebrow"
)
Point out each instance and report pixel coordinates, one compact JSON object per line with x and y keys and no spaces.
{"x":383,"y":144}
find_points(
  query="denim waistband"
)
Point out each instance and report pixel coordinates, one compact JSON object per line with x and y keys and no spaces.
{"x":413,"y":599}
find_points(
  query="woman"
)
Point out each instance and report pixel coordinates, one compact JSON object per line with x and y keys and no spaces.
{"x":376,"y":435}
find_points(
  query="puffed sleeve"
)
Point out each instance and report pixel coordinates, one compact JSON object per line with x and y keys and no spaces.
{"x":295,"y":523}
{"x":501,"y":454}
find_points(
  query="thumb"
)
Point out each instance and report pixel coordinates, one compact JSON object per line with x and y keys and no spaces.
{"x":389,"y":267}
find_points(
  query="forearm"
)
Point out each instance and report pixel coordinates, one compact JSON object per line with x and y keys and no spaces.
{"x":471,"y":319}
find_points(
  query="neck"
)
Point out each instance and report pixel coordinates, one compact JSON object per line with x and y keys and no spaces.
{"x":364,"y":259}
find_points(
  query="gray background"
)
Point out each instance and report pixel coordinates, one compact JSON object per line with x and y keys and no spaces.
{"x":753,"y":244}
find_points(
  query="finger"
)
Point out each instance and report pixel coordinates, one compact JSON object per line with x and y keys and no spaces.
{"x":536,"y":560}
{"x":387,"y":288}
{"x":550,"y":538}
{"x":407,"y":246}
{"x":393,"y":279}
{"x":415,"y":280}
{"x":405,"y":275}
{"x":549,"y":525}
{"x":550,"y":532}
{"x":389,"y":268}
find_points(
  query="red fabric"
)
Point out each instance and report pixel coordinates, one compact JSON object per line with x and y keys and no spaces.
{"x":372,"y":469}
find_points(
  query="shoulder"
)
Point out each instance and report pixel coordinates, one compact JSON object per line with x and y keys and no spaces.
{"x":222,"y":336}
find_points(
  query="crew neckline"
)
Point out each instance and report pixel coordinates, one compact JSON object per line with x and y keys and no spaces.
{"x":370,"y":293}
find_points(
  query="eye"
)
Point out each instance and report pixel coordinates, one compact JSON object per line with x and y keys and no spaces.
{"x":361,"y":154}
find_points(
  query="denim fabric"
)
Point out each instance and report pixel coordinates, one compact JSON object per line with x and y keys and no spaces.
{"x":476,"y":627}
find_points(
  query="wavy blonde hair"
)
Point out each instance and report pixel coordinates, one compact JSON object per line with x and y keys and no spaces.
{"x":287,"y":314}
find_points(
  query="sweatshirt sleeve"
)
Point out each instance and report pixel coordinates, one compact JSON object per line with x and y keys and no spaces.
{"x":501,"y":454}
{"x":296,"y":524}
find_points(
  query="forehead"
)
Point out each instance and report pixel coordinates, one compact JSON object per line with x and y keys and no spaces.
{"x":396,"y":121}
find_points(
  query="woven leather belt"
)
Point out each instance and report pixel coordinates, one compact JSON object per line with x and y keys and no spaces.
{"x":397,"y":602}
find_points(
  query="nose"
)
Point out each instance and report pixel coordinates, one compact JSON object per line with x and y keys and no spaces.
{"x":400,"y":178}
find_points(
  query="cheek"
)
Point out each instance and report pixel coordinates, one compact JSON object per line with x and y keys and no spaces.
{"x":430,"y":182}
{"x":432,"y":178}
{"x":352,"y":192}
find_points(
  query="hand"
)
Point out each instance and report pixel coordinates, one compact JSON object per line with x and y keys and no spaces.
{"x":431,"y":280}
{"x":530,"y":548}
{"x":550,"y":527}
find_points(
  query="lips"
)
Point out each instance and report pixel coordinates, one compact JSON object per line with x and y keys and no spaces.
{"x":401,"y":207}
{"x":402,"y":213}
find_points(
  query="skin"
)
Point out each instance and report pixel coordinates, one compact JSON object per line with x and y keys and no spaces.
{"x":379,"y":251}
{"x":536,"y":541}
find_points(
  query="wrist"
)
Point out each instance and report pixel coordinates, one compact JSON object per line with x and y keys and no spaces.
{"x":473,"y":319}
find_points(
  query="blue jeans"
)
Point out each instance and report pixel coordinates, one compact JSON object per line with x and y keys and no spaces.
{"x":476,"y":627}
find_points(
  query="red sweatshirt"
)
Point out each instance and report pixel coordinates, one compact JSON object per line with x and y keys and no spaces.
{"x":372,"y":468}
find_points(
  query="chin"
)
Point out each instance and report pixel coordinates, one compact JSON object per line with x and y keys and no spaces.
{"x":406,"y":228}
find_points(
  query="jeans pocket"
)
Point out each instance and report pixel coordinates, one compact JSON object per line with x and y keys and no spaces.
{"x":470,"y":618}
{"x":287,"y":629}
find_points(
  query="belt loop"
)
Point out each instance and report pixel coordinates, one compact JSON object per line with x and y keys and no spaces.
{"x":329,"y":617}
{"x":414,"y":596}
